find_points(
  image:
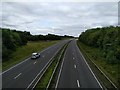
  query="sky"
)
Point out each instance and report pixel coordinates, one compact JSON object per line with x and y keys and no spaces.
{"x":61,"y":18}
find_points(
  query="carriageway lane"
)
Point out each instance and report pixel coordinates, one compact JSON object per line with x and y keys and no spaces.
{"x":75,"y":72}
{"x":23,"y":74}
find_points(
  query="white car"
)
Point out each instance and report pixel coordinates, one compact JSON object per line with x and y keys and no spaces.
{"x":35,"y":55}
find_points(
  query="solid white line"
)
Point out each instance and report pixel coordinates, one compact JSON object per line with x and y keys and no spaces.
{"x":52,"y":74}
{"x":60,"y":71}
{"x":54,"y":70}
{"x":17,"y":76}
{"x":34,"y":63}
{"x":104,"y":74}
{"x":59,"y":74}
{"x":25,"y":60}
{"x":38,"y":75}
{"x":74,"y":66}
{"x":40,"y":72}
{"x":89,"y":67}
{"x":78,"y":84}
{"x":45,"y":70}
{"x":15,"y":66}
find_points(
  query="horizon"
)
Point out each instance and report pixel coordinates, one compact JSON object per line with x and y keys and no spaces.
{"x":58,"y":18}
{"x":58,"y":34}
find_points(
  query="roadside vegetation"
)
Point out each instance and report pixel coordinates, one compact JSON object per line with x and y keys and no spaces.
{"x":18,"y":45}
{"x":23,"y":52}
{"x":102,"y":46}
{"x":49,"y":76}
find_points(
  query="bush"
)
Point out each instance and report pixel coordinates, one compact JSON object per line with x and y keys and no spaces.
{"x":107,"y":39}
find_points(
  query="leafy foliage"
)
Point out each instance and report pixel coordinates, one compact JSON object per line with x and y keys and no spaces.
{"x":107,"y":39}
{"x":13,"y":39}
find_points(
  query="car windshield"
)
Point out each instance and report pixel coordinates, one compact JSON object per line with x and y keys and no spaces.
{"x":34,"y":53}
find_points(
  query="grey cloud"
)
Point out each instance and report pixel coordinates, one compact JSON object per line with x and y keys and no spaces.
{"x":59,"y":18}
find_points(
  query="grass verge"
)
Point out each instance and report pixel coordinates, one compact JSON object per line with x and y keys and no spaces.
{"x":25,"y":51}
{"x":54,"y":78}
{"x":43,"y":83}
{"x":93,"y":55}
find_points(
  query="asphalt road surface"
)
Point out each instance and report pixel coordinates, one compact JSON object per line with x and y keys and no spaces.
{"x":23,"y":74}
{"x":75,"y":72}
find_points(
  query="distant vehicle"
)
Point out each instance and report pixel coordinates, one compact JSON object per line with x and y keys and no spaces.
{"x":35,"y":55}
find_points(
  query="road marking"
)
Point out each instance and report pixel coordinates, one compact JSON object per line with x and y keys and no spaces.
{"x":74,"y":66}
{"x":15,"y":66}
{"x":27,"y":59}
{"x":104,"y":75}
{"x":59,"y":74}
{"x":78,"y":83}
{"x":73,"y":58}
{"x":17,"y":76}
{"x":60,"y":71}
{"x":89,"y":67}
{"x":41,"y":71}
{"x":43,"y":55}
{"x":34,"y":62}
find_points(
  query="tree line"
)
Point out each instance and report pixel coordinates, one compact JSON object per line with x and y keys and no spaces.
{"x":12,"y":39}
{"x":107,"y":39}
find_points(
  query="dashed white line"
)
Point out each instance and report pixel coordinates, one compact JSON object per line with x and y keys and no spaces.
{"x":40,"y":72}
{"x":74,"y":66}
{"x":89,"y":67}
{"x":78,"y":84}
{"x":15,"y":66}
{"x":34,"y":62}
{"x":25,"y":60}
{"x":17,"y":76}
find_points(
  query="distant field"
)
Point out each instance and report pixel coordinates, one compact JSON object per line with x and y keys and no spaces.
{"x":96,"y":56}
{"x":25,"y":51}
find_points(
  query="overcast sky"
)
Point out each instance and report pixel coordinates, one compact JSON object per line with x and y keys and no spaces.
{"x":65,"y":18}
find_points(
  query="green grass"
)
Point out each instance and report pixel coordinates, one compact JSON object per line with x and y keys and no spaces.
{"x":45,"y":79}
{"x":25,"y":51}
{"x":95,"y":55}
{"x":47,"y":75}
{"x":56,"y":73}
